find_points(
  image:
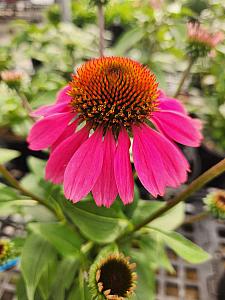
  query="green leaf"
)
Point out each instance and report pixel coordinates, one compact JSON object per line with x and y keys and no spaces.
{"x":80,"y":290}
{"x":7,"y":155}
{"x":127,"y":41}
{"x":145,"y":209}
{"x":31,"y":182}
{"x":37,"y":166}
{"x":69,"y":267}
{"x":153,"y":248}
{"x":183,"y":247}
{"x":99,"y":224}
{"x":146,"y":278}
{"x":61,"y":236}
{"x":21,"y":289}
{"x":35,"y":255}
{"x":170,"y":220}
{"x":47,"y":278}
{"x":11,"y":201}
{"x":7,"y":193}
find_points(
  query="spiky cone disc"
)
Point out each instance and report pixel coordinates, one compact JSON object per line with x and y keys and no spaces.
{"x":112,"y":278}
{"x":215,"y":202}
{"x":113,"y":92}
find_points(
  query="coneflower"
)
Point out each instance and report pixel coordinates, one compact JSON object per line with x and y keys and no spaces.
{"x":109,"y":101}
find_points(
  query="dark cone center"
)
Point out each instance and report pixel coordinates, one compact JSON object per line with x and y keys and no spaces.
{"x":1,"y":249}
{"x":221,"y":199}
{"x":116,"y":276}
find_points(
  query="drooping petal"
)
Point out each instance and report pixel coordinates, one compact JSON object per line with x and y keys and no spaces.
{"x":171,"y":104}
{"x":63,"y":96}
{"x":123,"y":169}
{"x":61,"y":156}
{"x":46,"y":131}
{"x":177,"y":127}
{"x":197,"y":123}
{"x":154,"y":157}
{"x":148,"y":162}
{"x":48,"y":110}
{"x":84,"y":168}
{"x":68,"y":131}
{"x":105,"y":189}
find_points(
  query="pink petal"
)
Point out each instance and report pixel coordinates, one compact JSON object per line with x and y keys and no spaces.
{"x":105,"y":189}
{"x":84,"y":168}
{"x":46,"y":131}
{"x":148,"y":162}
{"x":177,"y":127}
{"x":198,"y":124}
{"x":166,"y":103}
{"x":63,"y":96}
{"x":61,"y":156}
{"x":154,"y":157}
{"x":50,"y":110}
{"x":68,"y":131}
{"x":172,"y":104}
{"x":122,"y":168}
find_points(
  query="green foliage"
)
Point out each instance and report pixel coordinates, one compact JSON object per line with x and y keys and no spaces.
{"x":7,"y":154}
{"x":183,"y":247}
{"x":39,"y":252}
{"x":68,"y":267}
{"x":60,"y":236}
{"x":99,"y":224}
{"x":170,"y":220}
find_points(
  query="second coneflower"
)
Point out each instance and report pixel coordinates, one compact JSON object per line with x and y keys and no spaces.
{"x":88,"y":129}
{"x":200,"y":41}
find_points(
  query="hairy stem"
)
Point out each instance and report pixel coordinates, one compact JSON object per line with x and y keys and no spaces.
{"x":101,"y":23}
{"x":26,"y":104}
{"x":14,"y":183}
{"x":196,"y":185}
{"x":196,"y":218}
{"x":184,"y":77}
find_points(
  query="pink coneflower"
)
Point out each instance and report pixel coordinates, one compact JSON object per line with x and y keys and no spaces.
{"x":12,"y":78}
{"x":108,"y":101}
{"x":201,"y":41}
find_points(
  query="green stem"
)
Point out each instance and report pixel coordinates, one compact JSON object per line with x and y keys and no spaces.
{"x":184,"y":77}
{"x":14,"y":183}
{"x":196,"y":218}
{"x":197,"y":184}
{"x":101,"y":23}
{"x":26,"y":104}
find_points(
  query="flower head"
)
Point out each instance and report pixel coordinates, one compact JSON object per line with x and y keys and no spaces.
{"x":6,"y":250}
{"x":215,"y":202}
{"x":201,"y":41}
{"x":12,"y":78}
{"x":109,"y":100}
{"x":113,"y":278}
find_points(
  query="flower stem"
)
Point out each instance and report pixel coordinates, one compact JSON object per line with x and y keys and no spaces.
{"x":26,"y":104}
{"x":196,"y":218}
{"x":184,"y":77}
{"x":197,"y":184}
{"x":14,"y":183}
{"x":101,"y":23}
